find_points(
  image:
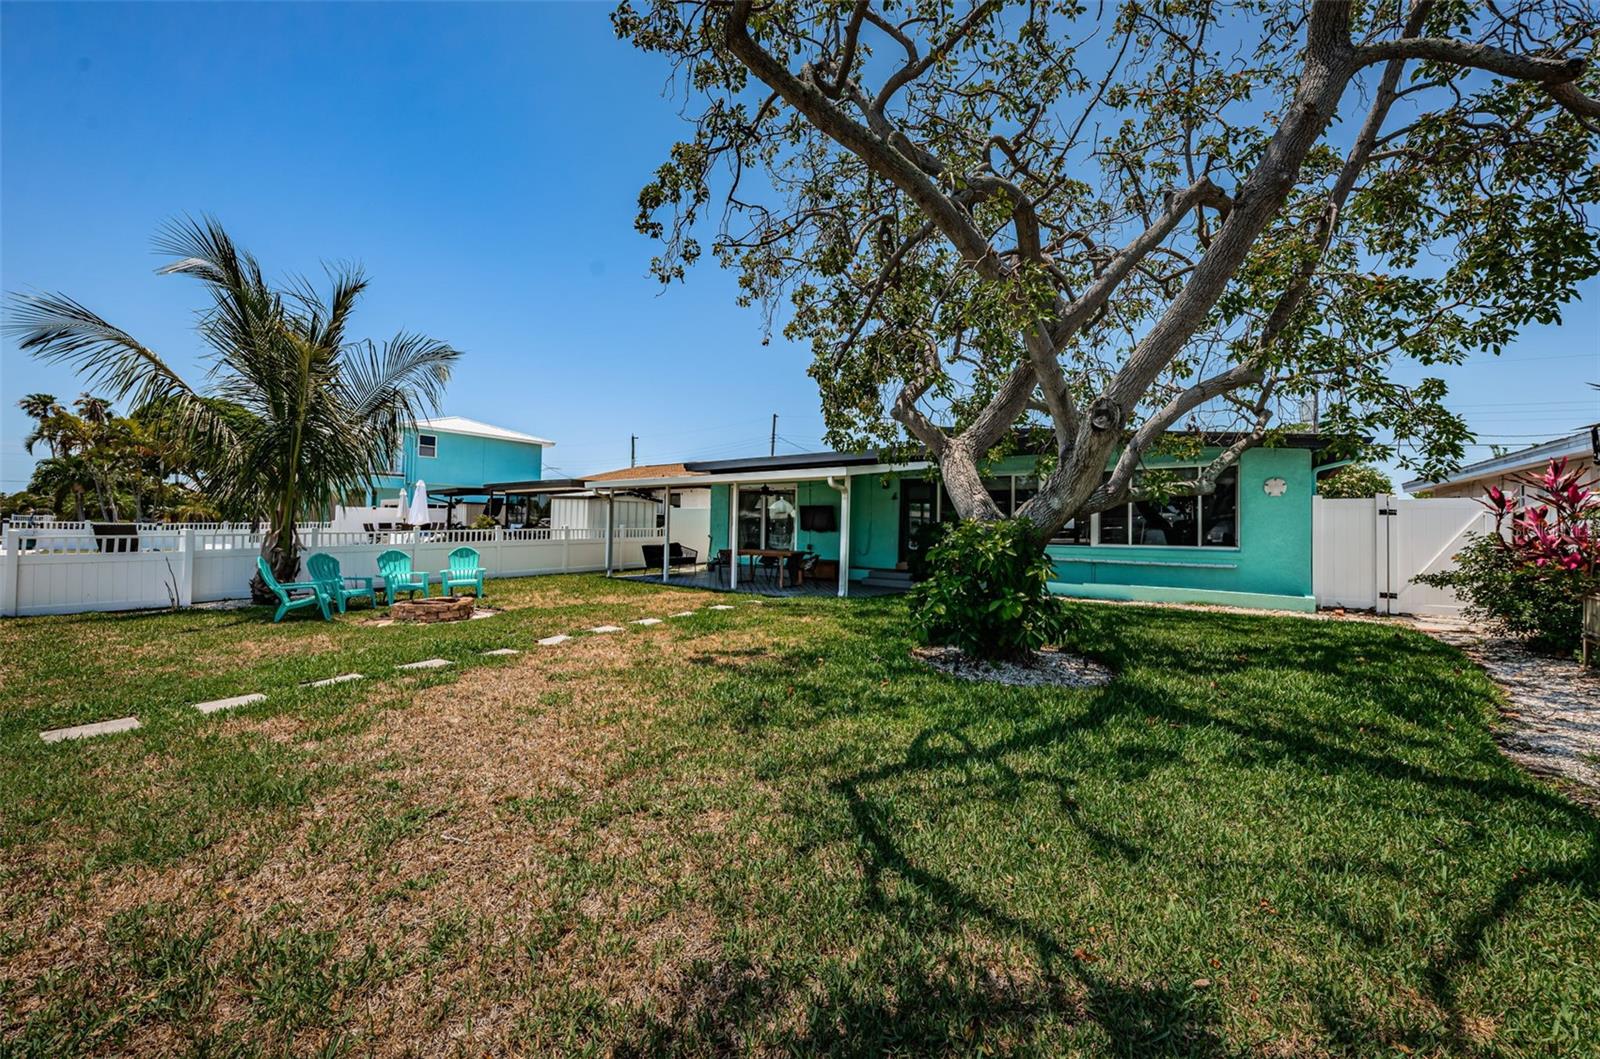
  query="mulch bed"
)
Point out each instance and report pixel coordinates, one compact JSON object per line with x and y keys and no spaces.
{"x":1049,"y":669}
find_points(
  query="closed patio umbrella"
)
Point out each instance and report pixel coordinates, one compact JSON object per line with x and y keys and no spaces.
{"x":419,"y":504}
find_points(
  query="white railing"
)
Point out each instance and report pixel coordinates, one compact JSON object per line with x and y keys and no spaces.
{"x":69,"y":572}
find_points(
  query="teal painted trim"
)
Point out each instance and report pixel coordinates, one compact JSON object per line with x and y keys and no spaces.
{"x":1156,"y":594}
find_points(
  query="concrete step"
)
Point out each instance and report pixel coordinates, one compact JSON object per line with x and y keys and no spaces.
{"x":897,"y":579}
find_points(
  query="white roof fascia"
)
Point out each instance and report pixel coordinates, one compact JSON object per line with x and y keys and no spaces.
{"x":784,"y":475}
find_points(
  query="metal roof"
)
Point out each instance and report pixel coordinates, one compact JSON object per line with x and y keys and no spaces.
{"x":1582,"y":442}
{"x":477,"y":429}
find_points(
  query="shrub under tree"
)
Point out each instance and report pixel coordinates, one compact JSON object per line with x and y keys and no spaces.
{"x":987,"y":591}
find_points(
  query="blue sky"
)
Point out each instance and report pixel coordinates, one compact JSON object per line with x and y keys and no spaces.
{"x":482,"y":162}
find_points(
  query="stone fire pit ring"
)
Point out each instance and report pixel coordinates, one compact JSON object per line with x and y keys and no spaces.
{"x":433,"y":609}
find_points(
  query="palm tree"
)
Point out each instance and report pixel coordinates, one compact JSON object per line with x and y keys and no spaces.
{"x":42,"y":408}
{"x":322,"y":411}
{"x":59,"y":477}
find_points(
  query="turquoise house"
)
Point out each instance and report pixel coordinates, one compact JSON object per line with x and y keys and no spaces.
{"x":458,"y":457}
{"x":859,"y":520}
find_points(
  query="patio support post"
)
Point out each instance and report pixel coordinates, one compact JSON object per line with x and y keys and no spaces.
{"x":733,"y":537}
{"x":666,"y":533}
{"x":611,"y":504}
{"x":844,"y":537}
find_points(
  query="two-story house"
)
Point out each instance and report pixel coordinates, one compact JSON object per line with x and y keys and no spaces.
{"x":456,"y":457}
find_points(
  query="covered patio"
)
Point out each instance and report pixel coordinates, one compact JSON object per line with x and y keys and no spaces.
{"x":717,"y":581}
{"x":780,"y":525}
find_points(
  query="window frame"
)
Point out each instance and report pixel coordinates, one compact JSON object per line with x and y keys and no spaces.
{"x":1199,"y":547}
{"x":434,"y":446}
{"x":1094,"y":540}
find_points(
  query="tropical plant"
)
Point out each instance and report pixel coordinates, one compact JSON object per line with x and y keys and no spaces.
{"x":23,"y":502}
{"x":987,"y":591}
{"x":297,"y":412}
{"x":1531,"y":575}
{"x":1355,"y":482}
{"x":63,"y":477}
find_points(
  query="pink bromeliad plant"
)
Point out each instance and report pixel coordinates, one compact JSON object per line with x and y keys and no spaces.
{"x":1530,"y":576}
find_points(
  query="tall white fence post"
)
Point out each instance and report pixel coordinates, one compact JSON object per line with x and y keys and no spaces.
{"x":8,"y":573}
{"x":186,"y":543}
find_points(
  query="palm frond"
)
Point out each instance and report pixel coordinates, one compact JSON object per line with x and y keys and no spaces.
{"x":60,"y":330}
{"x":408,"y":373}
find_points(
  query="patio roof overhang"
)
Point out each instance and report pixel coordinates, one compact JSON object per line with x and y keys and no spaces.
{"x":535,"y":486}
{"x":769,"y":470}
{"x":758,"y":477}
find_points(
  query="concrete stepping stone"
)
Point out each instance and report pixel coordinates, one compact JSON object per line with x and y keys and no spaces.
{"x":645,"y":621}
{"x":426,"y":663}
{"x":719,"y":606}
{"x":502,"y":651}
{"x":84,"y":731}
{"x":227,"y":704}
{"x":340,"y":679}
{"x":606,"y":628}
{"x":551,"y":641}
{"x":683,"y":614}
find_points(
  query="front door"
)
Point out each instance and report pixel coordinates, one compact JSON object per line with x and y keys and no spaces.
{"x":919,"y":511}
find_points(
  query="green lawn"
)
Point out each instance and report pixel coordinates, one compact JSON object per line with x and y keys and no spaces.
{"x":769,"y":830}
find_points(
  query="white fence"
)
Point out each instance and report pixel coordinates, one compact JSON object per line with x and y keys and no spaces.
{"x":50,"y":571}
{"x":1365,"y":553}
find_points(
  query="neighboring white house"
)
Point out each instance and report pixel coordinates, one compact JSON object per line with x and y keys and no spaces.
{"x":1473,"y":480}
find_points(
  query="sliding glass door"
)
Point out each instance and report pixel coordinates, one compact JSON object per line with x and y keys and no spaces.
{"x":766,"y":518}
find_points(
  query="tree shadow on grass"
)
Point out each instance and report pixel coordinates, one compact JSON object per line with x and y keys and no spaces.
{"x":1140,"y":1018}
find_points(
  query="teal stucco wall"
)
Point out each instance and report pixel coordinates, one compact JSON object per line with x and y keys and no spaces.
{"x":1270,"y":567}
{"x":464,"y":460}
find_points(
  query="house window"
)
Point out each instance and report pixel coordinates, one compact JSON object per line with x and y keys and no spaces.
{"x":427,"y":445}
{"x":999,"y":490}
{"x":1179,"y":521}
{"x":766,"y":518}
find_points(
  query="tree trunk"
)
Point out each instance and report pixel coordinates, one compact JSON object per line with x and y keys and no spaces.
{"x":282,"y":553}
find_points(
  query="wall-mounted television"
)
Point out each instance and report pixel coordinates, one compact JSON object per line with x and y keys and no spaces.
{"x":819,"y":518}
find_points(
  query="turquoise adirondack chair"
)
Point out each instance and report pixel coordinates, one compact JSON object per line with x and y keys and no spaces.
{"x":341,"y":588}
{"x":463,"y":570}
{"x":286,"y":601}
{"x":394,"y":566}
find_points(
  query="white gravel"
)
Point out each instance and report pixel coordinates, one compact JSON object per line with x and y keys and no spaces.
{"x":1050,"y":669}
{"x":1552,"y":725}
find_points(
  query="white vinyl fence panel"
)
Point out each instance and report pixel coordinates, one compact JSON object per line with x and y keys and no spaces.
{"x":40,"y":573}
{"x":1367,"y":553}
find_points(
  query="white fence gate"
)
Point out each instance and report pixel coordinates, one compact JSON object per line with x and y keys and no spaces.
{"x":68,"y":571}
{"x":1366,"y":553}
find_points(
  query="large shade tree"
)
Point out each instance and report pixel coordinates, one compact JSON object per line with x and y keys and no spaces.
{"x":296,"y":411}
{"x":1104,"y":222}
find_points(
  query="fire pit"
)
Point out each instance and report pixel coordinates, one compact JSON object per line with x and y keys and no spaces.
{"x":439,"y":608}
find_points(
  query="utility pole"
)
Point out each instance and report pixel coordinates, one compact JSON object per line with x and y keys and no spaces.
{"x":633,"y":450}
{"x":772,"y":445}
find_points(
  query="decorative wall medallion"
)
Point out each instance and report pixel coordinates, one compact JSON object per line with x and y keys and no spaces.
{"x":1275,"y":486}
